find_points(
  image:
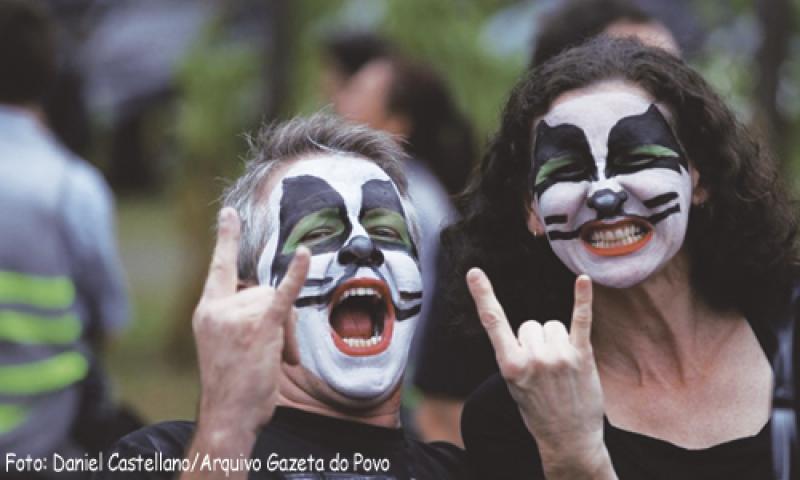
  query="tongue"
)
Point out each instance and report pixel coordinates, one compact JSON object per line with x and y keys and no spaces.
{"x":352,"y":323}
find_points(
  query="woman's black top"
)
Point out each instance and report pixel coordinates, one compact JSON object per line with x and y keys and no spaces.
{"x":499,"y":445}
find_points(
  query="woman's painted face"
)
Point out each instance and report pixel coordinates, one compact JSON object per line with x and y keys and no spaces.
{"x":360,"y":302}
{"x":610,"y":184}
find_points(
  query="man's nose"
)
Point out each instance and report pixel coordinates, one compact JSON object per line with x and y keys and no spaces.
{"x":360,"y":251}
{"x":607,"y":202}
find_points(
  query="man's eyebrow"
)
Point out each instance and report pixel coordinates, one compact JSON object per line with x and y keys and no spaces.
{"x":377,"y":193}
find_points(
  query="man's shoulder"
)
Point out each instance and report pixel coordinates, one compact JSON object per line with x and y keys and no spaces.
{"x":438,"y":460}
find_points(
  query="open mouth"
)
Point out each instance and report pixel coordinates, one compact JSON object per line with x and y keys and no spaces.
{"x":361,"y":317}
{"x":618,"y":238}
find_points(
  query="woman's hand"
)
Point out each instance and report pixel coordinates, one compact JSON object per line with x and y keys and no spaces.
{"x":552,"y":376}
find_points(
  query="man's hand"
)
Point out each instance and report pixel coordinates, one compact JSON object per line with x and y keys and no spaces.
{"x":241,"y":338}
{"x":552,"y":376}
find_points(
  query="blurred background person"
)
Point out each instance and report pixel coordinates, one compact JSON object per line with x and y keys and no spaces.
{"x":61,"y":284}
{"x":411,"y":100}
{"x":344,"y":53}
{"x":576,"y":21}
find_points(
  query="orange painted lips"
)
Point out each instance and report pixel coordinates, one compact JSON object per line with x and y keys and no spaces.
{"x":364,"y":346}
{"x":616,"y":239}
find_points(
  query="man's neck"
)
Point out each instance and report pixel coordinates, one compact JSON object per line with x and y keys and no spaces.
{"x":304,"y":392}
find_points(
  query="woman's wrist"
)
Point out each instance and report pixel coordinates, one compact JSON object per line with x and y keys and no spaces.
{"x":578,"y":463}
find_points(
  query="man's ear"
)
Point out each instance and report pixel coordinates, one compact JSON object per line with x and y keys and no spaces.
{"x":699,"y":192}
{"x":534,"y":224}
{"x":242,"y":284}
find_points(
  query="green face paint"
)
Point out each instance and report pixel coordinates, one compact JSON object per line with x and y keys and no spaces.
{"x":658,"y":151}
{"x":387,"y":226}
{"x":558,"y":165}
{"x":313,"y":229}
{"x":645,"y":156}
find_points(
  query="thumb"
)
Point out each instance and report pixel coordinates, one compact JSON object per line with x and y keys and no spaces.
{"x":581,"y":328}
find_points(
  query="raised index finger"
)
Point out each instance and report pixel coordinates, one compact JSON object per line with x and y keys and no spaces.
{"x":581,"y":328}
{"x":492,"y":316}
{"x":222,"y":275}
{"x":292,"y":283}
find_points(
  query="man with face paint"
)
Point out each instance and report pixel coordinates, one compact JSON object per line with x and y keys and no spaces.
{"x":660,"y":237}
{"x":301,"y":363}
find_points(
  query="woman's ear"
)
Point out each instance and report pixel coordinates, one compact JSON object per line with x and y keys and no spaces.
{"x":534,"y":225}
{"x":699,"y":192}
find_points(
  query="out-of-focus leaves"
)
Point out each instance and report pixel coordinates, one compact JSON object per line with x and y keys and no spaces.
{"x":220,"y":90}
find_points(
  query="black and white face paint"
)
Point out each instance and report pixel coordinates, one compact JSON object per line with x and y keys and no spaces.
{"x":611,"y":184}
{"x":358,"y":309}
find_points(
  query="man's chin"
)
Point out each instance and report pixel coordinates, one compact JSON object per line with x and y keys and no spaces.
{"x":365,"y":393}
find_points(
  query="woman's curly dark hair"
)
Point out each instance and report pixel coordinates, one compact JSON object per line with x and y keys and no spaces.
{"x":741,"y":242}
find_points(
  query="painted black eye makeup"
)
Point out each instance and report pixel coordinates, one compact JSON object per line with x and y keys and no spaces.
{"x":643,"y":141}
{"x":561,"y":154}
{"x":312,"y":213}
{"x":383,"y":218}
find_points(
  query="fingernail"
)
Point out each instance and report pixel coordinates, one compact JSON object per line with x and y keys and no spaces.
{"x":472,"y":274}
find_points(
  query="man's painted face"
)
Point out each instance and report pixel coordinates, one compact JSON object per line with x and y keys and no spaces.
{"x":611,"y":185}
{"x":360,"y":302}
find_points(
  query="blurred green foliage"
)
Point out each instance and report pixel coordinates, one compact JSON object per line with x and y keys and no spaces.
{"x":444,"y":33}
{"x":220,"y":97}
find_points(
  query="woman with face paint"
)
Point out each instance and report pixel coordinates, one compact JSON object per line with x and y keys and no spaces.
{"x":622,"y":198}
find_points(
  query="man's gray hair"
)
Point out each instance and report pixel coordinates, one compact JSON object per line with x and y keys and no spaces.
{"x":276,"y":144}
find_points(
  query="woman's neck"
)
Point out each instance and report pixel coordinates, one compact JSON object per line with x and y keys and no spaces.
{"x":659,"y":330}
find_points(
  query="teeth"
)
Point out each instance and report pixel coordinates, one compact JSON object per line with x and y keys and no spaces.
{"x":360,"y":292}
{"x":363,"y":342}
{"x":609,"y":238}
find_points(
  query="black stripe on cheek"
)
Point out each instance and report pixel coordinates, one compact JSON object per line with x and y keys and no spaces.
{"x":325,"y":297}
{"x":659,"y":200}
{"x":313,"y":300}
{"x":555,"y":219}
{"x":317,"y":282}
{"x":560,"y":235}
{"x":654,"y":219}
{"x":410,"y":295}
{"x":401,"y":315}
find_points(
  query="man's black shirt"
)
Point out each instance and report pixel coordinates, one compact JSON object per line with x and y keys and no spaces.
{"x":297,"y":445}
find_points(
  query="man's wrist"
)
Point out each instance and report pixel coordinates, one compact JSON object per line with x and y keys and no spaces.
{"x":218,"y":432}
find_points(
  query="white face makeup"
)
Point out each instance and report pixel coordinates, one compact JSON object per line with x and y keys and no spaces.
{"x":360,"y":302}
{"x":610,"y":184}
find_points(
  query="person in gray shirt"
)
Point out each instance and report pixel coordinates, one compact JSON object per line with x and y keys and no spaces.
{"x":61,"y":284}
